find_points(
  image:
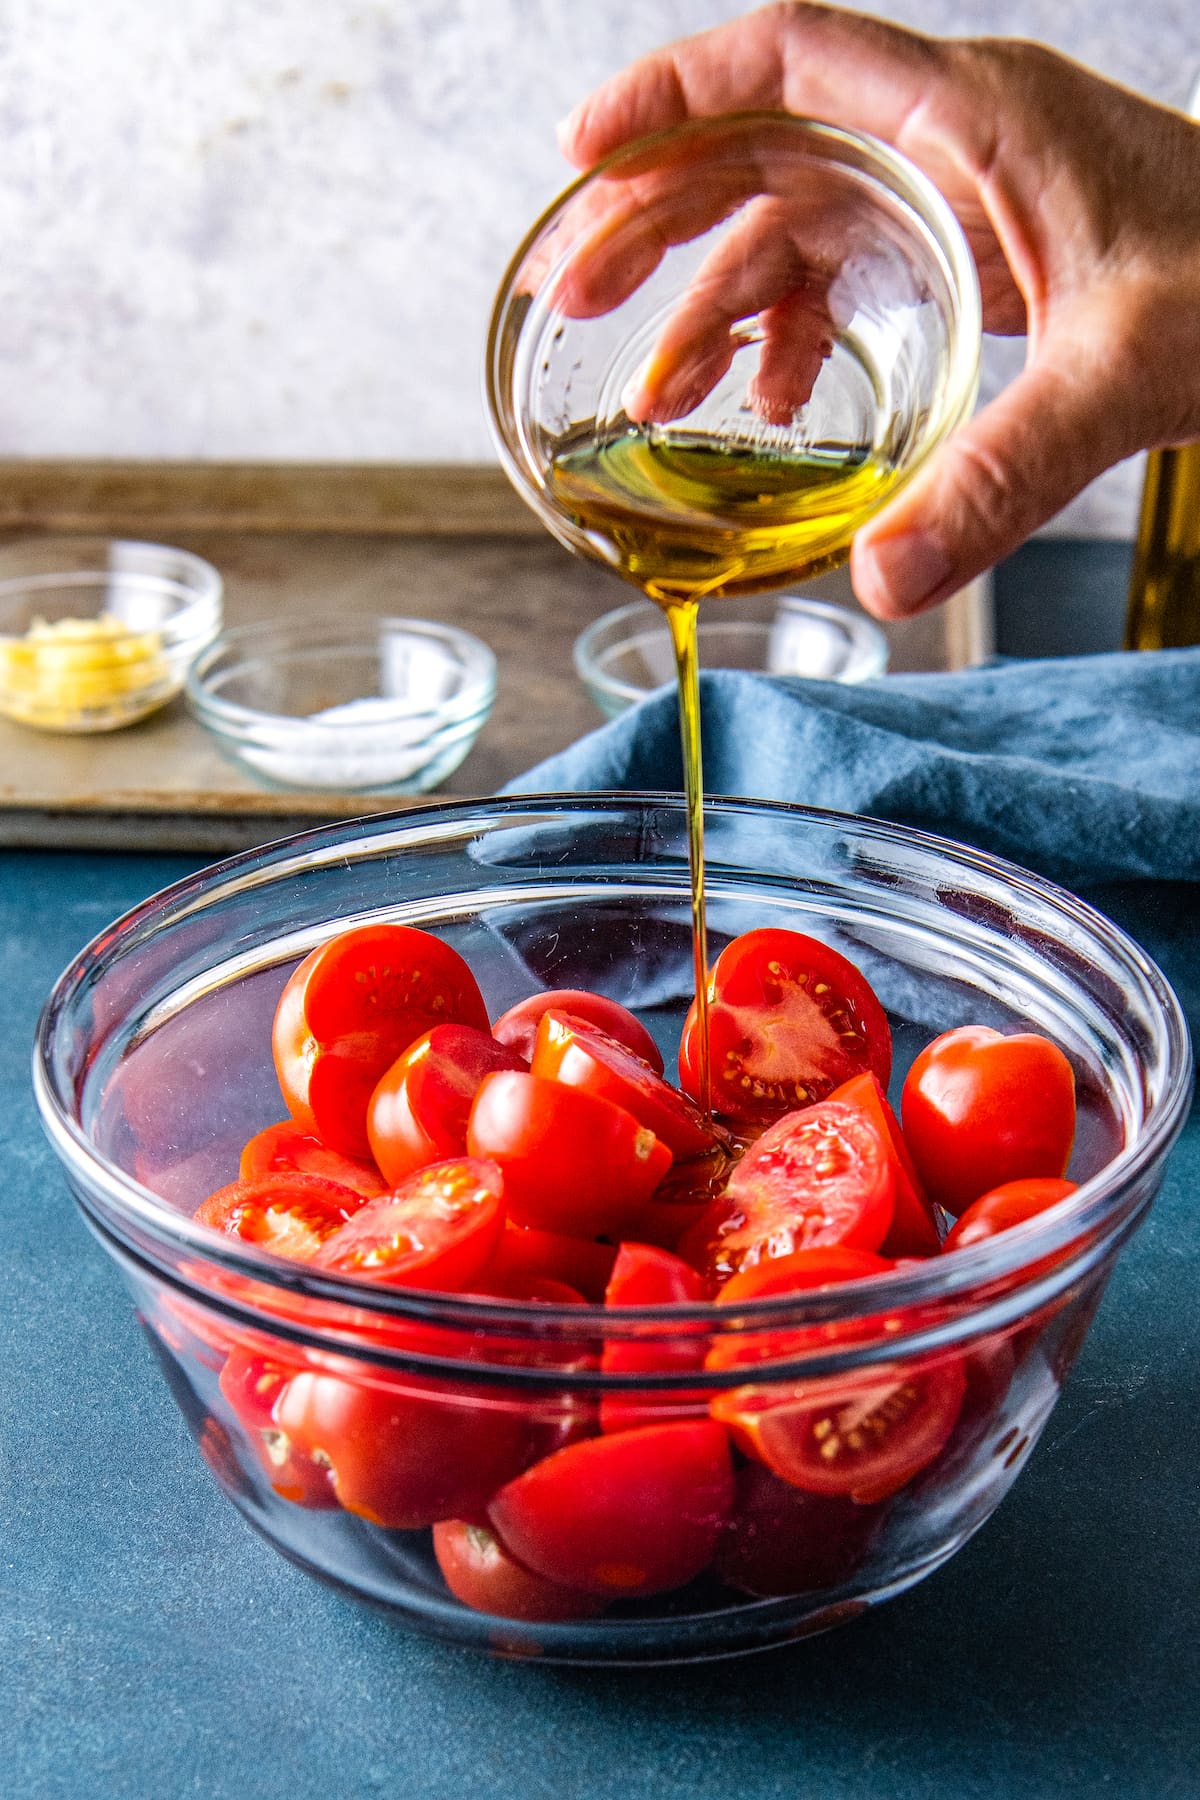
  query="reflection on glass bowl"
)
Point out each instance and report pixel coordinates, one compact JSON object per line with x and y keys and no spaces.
{"x":627,"y":654}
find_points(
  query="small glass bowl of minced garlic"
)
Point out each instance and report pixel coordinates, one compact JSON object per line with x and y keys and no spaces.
{"x":97,"y":633}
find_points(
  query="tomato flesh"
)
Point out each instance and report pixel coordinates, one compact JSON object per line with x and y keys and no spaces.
{"x":865,"y":1434}
{"x":518,"y":1027}
{"x":913,"y":1230}
{"x":582,"y":1056}
{"x":631,"y":1513}
{"x":291,"y":1214}
{"x":437,"y":1230}
{"x":251,"y":1384}
{"x":282,"y":1147}
{"x":789,"y":1019}
{"x":981,"y":1109}
{"x":571,"y":1162}
{"x":348,"y":1011}
{"x":817,"y":1177}
{"x":419,"y":1109}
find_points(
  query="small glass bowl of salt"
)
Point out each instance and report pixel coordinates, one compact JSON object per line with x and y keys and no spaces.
{"x":370,"y":704}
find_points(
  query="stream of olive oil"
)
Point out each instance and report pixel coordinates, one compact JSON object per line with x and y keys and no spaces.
{"x":688,"y":517}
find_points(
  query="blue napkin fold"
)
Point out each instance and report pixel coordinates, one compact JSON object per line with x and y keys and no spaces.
{"x":1085,"y":769}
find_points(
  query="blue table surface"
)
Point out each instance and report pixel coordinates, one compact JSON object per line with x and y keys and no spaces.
{"x":154,"y":1646}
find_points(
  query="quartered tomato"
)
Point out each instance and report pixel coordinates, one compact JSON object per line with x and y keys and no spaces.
{"x":526,"y":1254}
{"x":482,"y":1575}
{"x":518,"y":1026}
{"x":349,"y":1010}
{"x":817,"y":1177}
{"x":865,"y":1434}
{"x":582,"y":1056}
{"x":439,"y":1229}
{"x":291,"y":1213}
{"x":419,"y":1109}
{"x":285,"y":1146}
{"x":913,"y":1231}
{"x":803,"y":1271}
{"x":981,"y":1109}
{"x":571,"y":1162}
{"x":1010,"y":1204}
{"x":789,"y":1019}
{"x":401,"y":1451}
{"x":645,"y":1276}
{"x":631,"y":1513}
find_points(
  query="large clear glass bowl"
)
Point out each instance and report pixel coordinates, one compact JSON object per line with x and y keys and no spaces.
{"x":152,"y":1067}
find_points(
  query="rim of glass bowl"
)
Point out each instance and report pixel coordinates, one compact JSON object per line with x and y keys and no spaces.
{"x":869,"y":155}
{"x":230,"y":717}
{"x":864,"y":632}
{"x":198,"y":585}
{"x":1092,"y":1222}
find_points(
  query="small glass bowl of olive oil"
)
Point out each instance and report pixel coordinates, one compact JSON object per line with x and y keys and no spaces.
{"x":726,"y":346}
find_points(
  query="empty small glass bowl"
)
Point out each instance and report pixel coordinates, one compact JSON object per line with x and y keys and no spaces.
{"x":98,"y":632}
{"x":627,"y":654}
{"x":374,"y":704}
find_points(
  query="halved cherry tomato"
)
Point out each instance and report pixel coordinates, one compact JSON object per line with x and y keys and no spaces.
{"x":420,"y":1106}
{"x":781,"y":1540}
{"x":251,"y":1384}
{"x":518,"y":1026}
{"x":526,"y":1254}
{"x":404,"y":1452}
{"x":913,"y":1231}
{"x":349,"y":1010}
{"x":789,"y":1019}
{"x":581,"y":1056}
{"x":1010,"y":1204}
{"x":981,"y":1109}
{"x":804,"y":1270}
{"x":286,"y":1146}
{"x":291,"y":1213}
{"x":482,"y":1575}
{"x":864,"y":1434}
{"x":635,"y":1512}
{"x":645,"y":1276}
{"x":438,"y":1229}
{"x":571,"y":1162}
{"x":817,"y":1177}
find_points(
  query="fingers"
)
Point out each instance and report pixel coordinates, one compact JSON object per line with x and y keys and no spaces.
{"x":995,"y":481}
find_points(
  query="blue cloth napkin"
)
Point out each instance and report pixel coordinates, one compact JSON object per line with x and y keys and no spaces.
{"x":1085,"y":769}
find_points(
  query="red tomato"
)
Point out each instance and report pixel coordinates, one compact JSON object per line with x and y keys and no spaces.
{"x":438,"y":1230}
{"x":350,"y":1009}
{"x":913,"y":1231}
{"x":806,"y":1269}
{"x":788,"y":1020}
{"x":290,"y":1214}
{"x":1010,"y":1204}
{"x":284,"y":1146}
{"x":252,"y":1384}
{"x":783,"y":1541}
{"x":645,"y":1276}
{"x":419,"y":1110}
{"x":864,"y":1434}
{"x":817,"y":1177}
{"x":525,"y":1254}
{"x":404,"y":1452}
{"x":518,"y":1026}
{"x":636,"y":1512}
{"x":571,"y":1163}
{"x":581,"y":1056}
{"x":981,"y":1109}
{"x":480,"y":1574}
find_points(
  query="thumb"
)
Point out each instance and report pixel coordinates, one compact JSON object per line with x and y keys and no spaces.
{"x":994,"y":482}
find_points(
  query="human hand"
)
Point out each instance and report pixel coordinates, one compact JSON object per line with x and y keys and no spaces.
{"x":1081,"y":204}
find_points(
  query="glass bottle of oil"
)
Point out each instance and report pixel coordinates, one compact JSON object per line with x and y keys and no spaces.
{"x":1164,"y":591}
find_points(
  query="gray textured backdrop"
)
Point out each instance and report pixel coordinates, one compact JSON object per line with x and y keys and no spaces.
{"x":234,"y":231}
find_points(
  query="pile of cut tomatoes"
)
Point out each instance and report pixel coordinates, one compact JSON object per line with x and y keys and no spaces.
{"x":546,"y":1158}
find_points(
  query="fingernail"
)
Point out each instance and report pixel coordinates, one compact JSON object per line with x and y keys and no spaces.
{"x":908,"y":568}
